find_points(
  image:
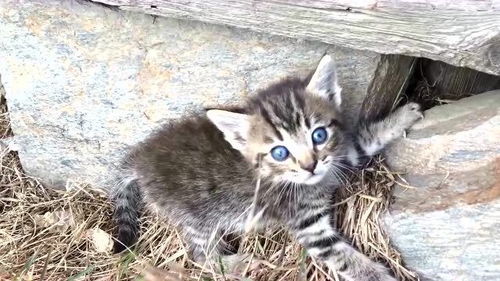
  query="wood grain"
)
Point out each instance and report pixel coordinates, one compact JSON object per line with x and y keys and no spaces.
{"x":461,"y":32}
{"x":450,"y":82}
{"x":390,"y":80}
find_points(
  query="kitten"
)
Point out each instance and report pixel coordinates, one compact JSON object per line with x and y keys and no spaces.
{"x":201,"y":171}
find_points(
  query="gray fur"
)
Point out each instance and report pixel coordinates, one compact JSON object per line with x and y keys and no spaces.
{"x":201,"y":172}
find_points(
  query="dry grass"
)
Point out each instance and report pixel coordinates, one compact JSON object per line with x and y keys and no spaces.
{"x":65,"y":235}
{"x":51,"y":235}
{"x":358,"y":215}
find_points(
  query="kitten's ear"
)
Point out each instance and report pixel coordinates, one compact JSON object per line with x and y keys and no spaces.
{"x":234,"y":126}
{"x":324,"y":81}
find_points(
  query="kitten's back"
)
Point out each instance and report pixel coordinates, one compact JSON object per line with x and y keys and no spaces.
{"x":186,"y":154}
{"x":186,"y":170}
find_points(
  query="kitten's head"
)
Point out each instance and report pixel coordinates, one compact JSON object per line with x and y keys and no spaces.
{"x":293,"y":127}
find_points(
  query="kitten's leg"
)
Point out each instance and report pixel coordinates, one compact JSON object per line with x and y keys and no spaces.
{"x":217,"y":252}
{"x":371,"y":138}
{"x":197,"y":242}
{"x":315,"y":232}
{"x":208,"y":244}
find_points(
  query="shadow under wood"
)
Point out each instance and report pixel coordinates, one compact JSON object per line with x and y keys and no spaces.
{"x":399,"y":79}
{"x":435,"y":83}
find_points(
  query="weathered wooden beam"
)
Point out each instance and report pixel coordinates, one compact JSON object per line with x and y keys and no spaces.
{"x":461,"y":32}
{"x":390,"y":80}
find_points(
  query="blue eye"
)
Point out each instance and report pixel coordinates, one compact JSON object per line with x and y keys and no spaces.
{"x":280,"y":153}
{"x":319,"y":135}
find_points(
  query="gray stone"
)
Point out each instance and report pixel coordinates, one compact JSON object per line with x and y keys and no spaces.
{"x":84,"y":82}
{"x":453,"y":152}
{"x":460,"y":243}
{"x":446,"y":224}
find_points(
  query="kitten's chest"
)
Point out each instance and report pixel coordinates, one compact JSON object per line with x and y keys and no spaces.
{"x":287,"y":203}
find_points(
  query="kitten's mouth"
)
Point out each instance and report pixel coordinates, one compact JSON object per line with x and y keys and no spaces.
{"x":307,"y":177}
{"x":316,"y":176}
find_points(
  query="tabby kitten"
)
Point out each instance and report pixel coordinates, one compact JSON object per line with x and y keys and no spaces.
{"x":201,"y":171}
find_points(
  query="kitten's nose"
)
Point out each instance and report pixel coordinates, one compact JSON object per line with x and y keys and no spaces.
{"x":309,"y":166}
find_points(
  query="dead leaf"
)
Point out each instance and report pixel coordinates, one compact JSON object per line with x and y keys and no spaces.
{"x":175,"y":273}
{"x":101,"y":240}
{"x":58,"y":221}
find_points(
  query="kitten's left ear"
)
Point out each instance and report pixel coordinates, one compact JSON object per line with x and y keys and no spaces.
{"x":324,"y":81}
{"x":233,"y":125}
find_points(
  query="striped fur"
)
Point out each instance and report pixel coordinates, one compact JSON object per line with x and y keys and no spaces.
{"x":127,"y":199}
{"x":200,"y":172}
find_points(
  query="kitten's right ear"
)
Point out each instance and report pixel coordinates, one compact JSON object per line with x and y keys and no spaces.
{"x":234,"y":126}
{"x":324,"y":82}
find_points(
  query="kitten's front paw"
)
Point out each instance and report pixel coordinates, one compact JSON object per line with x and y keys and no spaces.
{"x":372,"y":272}
{"x":377,"y":272}
{"x":406,"y":116}
{"x":235,"y":263}
{"x":382,"y":275}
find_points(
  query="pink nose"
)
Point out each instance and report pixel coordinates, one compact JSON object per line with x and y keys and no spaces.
{"x":310,"y":166}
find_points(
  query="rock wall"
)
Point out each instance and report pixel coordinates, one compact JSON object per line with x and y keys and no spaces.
{"x":446,"y":224}
{"x":84,"y":82}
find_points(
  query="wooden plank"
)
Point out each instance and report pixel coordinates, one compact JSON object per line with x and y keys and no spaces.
{"x":391,"y":78}
{"x":461,"y":32}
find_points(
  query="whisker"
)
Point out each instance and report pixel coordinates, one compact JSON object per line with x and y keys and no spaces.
{"x":344,"y":170}
{"x":345,"y":178}
{"x":340,"y":178}
{"x":281,"y":193}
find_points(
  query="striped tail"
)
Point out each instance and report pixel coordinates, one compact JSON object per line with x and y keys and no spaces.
{"x":127,"y":202}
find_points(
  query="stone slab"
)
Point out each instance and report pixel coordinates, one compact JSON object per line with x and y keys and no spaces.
{"x":446,"y":224}
{"x":83,"y":82}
